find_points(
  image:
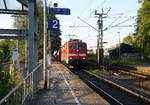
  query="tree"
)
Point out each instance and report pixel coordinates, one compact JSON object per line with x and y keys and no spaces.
{"x":143,"y":29}
{"x":129,"y":39}
{"x":23,"y":23}
{"x":4,"y":52}
{"x":20,"y":23}
{"x":55,"y":35}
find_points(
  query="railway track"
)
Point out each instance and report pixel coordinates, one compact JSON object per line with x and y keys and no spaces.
{"x":123,"y":69}
{"x":129,"y":70}
{"x":112,"y":93}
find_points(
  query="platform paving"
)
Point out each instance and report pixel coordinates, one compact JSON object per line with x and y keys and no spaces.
{"x":67,"y":89}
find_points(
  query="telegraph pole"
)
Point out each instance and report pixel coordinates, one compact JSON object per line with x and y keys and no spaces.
{"x":100,"y":52}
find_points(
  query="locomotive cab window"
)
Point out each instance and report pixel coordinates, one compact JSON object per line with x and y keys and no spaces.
{"x":73,"y":46}
{"x":81,"y":46}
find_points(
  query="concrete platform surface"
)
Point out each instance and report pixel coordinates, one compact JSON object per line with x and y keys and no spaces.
{"x":67,"y":89}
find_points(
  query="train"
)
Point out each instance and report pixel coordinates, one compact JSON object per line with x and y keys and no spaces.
{"x":74,"y":52}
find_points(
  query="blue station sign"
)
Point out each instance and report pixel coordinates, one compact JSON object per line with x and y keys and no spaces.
{"x":60,"y":11}
{"x":53,"y":25}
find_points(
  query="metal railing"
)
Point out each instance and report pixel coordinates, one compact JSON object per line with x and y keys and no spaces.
{"x":24,"y":92}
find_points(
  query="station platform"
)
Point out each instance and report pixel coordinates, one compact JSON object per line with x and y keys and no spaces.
{"x":67,"y":89}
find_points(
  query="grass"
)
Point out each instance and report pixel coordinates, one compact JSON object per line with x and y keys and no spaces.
{"x":128,"y":62}
{"x":92,"y":57}
{"x":131,"y":62}
{"x":98,"y":71}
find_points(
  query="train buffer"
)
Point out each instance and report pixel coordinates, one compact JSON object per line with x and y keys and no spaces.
{"x":67,"y":89}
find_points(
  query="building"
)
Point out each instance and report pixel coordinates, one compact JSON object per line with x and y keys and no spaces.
{"x":121,"y":51}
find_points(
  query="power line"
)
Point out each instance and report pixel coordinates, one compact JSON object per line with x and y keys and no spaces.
{"x":119,"y":23}
{"x":104,"y":1}
{"x":87,"y":23}
{"x":75,"y":27}
{"x":114,"y":21}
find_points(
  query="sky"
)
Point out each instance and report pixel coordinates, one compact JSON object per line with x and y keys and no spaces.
{"x":120,"y":11}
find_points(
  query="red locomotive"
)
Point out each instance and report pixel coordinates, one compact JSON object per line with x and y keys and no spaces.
{"x":74,"y":53}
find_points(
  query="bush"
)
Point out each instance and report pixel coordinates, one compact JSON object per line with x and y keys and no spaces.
{"x":8,"y":82}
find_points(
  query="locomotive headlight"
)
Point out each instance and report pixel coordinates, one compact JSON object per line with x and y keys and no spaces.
{"x":70,"y":58}
{"x":83,"y":58}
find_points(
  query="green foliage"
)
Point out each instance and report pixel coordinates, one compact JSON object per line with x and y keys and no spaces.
{"x":129,"y":40}
{"x":8,"y":82}
{"x":5,"y":83}
{"x":4,"y":46}
{"x":1,"y":58}
{"x":4,"y":52}
{"x":127,"y":61}
{"x":22,"y":23}
{"x":92,"y":57}
{"x":55,"y":35}
{"x":55,"y":40}
{"x":143,"y":28}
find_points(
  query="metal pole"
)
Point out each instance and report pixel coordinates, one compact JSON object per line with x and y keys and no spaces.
{"x":49,"y":60}
{"x":119,"y":45}
{"x":101,"y":39}
{"x":45,"y":72}
{"x":31,"y":41}
{"x":100,"y":52}
{"x":98,"y":43}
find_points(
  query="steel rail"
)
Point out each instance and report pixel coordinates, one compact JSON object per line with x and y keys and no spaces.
{"x":120,"y":87}
{"x":111,"y":98}
{"x":131,"y":72}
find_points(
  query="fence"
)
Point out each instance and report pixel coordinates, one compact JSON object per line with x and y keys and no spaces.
{"x":24,"y":92}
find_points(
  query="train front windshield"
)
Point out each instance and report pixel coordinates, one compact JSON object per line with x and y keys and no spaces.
{"x":79,"y":46}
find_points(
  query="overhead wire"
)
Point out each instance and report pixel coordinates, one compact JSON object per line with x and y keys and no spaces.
{"x":119,"y":23}
{"x":74,"y":25}
{"x":5,"y":4}
{"x":104,"y":1}
{"x":114,"y":21}
{"x":119,"y":17}
{"x":89,"y":4}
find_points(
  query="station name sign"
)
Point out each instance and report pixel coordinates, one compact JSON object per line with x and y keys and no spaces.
{"x":60,"y":11}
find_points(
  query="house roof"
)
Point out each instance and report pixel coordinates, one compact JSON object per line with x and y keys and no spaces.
{"x":124,"y":48}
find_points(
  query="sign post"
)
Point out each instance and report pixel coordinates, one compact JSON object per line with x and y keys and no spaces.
{"x":53,"y":25}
